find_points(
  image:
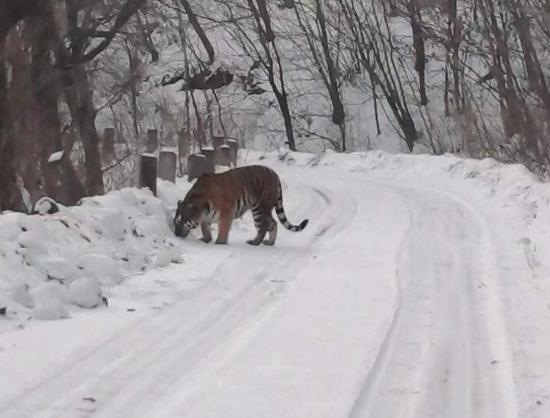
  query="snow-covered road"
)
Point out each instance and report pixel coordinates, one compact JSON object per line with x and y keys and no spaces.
{"x":387,"y":305}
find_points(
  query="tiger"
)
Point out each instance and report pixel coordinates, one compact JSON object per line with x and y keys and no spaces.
{"x":226,"y":196}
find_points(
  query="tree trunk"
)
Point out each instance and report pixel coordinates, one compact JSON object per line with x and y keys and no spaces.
{"x":285,"y":110}
{"x":455,"y":39}
{"x":420,"y":49}
{"x":60,"y":178}
{"x":79,"y":96}
{"x":10,"y":196}
{"x":342,"y":127}
{"x":133,"y":64}
{"x":338,"y":111}
{"x":13,"y":11}
{"x":282,"y":97}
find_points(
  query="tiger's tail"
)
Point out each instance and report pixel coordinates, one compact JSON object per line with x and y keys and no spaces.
{"x":279,"y":209}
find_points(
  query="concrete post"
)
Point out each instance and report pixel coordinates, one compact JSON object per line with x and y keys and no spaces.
{"x":148,"y":166}
{"x":167,"y":165}
{"x":223,"y":156}
{"x":234,"y":145}
{"x":196,"y":166}
{"x":209,"y":154}
{"x":217,"y":142}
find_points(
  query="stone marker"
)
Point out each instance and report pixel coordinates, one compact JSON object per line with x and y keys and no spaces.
{"x":184,"y":144}
{"x":217,"y":141}
{"x":167,"y":165}
{"x":210,"y":156}
{"x":223,"y":156}
{"x":148,"y":165}
{"x":196,"y":166}
{"x":234,"y":145}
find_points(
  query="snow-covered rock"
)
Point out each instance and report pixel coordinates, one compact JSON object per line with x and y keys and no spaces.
{"x":61,"y":269}
{"x":101,"y":267}
{"x":45,"y":205}
{"x":170,"y":255}
{"x":50,"y":311}
{"x":20,"y":294}
{"x":34,"y":240}
{"x":50,"y":292}
{"x":85,"y":293}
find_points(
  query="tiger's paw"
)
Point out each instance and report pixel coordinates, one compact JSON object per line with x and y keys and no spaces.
{"x":269,"y":243}
{"x":206,"y":240}
{"x":220,"y":242}
{"x":253,"y":242}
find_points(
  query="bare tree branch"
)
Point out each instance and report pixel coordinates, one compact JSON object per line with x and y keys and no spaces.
{"x":126,"y":12}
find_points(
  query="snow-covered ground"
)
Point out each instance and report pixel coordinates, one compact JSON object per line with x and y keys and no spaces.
{"x":419,"y":289}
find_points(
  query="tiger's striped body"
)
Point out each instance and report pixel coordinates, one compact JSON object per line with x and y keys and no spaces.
{"x":222,"y":197}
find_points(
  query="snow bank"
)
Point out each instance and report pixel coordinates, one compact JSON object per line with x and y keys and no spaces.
{"x":54,"y":262}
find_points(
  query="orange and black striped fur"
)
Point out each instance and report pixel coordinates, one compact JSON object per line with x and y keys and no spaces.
{"x":223,"y":197}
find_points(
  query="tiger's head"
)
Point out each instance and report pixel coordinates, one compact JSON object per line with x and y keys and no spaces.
{"x":189,"y":215}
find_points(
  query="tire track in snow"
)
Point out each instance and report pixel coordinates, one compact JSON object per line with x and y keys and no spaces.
{"x":439,"y":358}
{"x":313,"y":342}
{"x":378,"y":368}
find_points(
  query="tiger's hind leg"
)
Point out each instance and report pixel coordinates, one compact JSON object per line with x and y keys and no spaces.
{"x":272,"y":233}
{"x":206,"y":234}
{"x":263,"y":223}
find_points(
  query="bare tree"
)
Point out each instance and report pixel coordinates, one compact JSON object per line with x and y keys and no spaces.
{"x":266,"y":55}
{"x":11,"y":13}
{"x":324,"y":54}
{"x":377,"y":54}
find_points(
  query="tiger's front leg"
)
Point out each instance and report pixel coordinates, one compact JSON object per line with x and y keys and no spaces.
{"x":224,"y":226}
{"x":206,"y":234}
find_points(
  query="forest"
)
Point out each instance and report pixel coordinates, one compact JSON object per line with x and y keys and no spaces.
{"x":85,"y":83}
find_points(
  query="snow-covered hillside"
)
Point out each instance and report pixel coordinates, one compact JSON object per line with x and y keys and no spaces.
{"x":418,"y":289}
